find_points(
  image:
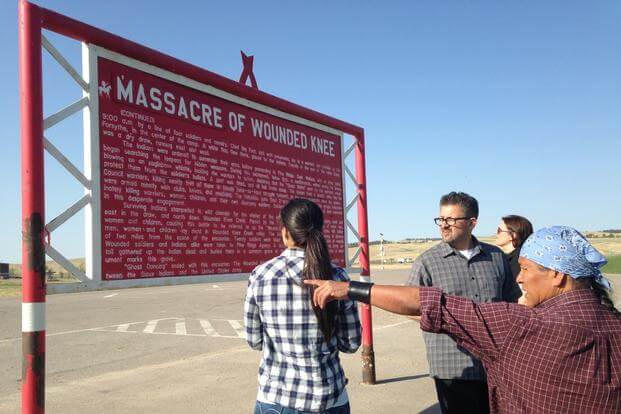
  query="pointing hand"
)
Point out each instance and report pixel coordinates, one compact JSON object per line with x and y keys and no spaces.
{"x":327,"y":291}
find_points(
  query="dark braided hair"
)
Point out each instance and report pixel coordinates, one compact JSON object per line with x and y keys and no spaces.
{"x":604,"y":297}
{"x":303,"y":219}
{"x":602,"y":294}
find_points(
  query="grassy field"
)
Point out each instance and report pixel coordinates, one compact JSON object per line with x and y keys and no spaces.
{"x":614,"y":265}
{"x":394,"y":252}
{"x":10,"y":288}
{"x":13,"y":287}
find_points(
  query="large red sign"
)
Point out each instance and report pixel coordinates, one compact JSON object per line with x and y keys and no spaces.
{"x":191,"y":184}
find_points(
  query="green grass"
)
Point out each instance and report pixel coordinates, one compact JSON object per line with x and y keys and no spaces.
{"x":10,"y":288}
{"x":614,"y":265}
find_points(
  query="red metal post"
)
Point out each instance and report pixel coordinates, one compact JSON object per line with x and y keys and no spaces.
{"x":33,"y":224}
{"x":368,"y":356}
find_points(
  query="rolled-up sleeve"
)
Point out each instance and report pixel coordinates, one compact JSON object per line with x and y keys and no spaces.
{"x":480,"y":328}
{"x":252,"y":320}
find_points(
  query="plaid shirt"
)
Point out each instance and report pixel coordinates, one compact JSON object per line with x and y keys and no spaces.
{"x":486,"y":277}
{"x":299,"y":369}
{"x":564,"y":356}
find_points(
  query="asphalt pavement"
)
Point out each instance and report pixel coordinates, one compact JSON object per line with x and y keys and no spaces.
{"x":181,"y":349}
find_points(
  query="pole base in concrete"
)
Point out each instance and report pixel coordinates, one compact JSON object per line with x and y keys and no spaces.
{"x":368,"y":365}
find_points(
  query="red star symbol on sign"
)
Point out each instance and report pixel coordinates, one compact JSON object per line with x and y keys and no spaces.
{"x":247,"y":72}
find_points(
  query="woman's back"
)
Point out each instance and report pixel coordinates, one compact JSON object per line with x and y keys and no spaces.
{"x":299,"y":368}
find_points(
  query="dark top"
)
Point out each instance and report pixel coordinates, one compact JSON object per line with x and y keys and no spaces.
{"x":513,"y":262}
{"x":564,"y":356}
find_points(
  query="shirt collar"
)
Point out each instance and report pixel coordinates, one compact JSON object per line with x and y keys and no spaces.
{"x":293,"y":252}
{"x":573,"y":296}
{"x":447,"y":250}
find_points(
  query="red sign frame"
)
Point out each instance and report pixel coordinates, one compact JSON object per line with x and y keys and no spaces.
{"x":32,"y":19}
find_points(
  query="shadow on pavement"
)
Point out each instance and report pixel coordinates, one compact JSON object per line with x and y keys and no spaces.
{"x":434,"y":409}
{"x":398,"y":379}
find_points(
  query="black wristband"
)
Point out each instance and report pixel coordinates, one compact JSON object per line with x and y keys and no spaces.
{"x":360,"y":291}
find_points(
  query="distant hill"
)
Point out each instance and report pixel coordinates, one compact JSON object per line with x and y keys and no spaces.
{"x":612,"y":234}
{"x":603,"y":234}
{"x":15,"y":269}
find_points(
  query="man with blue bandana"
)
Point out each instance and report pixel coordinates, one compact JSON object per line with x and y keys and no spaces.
{"x":561,"y":353}
{"x":564,"y":250}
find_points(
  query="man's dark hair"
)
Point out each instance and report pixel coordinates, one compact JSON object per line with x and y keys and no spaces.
{"x":468,"y":203}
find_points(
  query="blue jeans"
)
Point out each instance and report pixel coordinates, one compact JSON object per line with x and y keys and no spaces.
{"x":265,"y":408}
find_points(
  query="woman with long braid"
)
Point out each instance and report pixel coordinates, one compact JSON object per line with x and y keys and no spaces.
{"x":300,"y":371}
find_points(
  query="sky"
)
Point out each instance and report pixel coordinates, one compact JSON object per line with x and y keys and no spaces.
{"x":516,"y":103}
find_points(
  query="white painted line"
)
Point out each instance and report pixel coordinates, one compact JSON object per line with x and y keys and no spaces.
{"x":219,"y":288}
{"x":393,"y":325}
{"x":180,"y":328}
{"x":152,"y":324}
{"x":208,"y":328}
{"x":150,"y":328}
{"x":33,"y":317}
{"x":197,"y":335}
{"x":47,"y":335}
{"x":105,"y":328}
{"x":123,"y":327}
{"x":176,"y":334}
{"x":111,"y":295}
{"x":239,"y":328}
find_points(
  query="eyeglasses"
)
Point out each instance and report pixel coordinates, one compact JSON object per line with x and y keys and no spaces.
{"x":451,"y":221}
{"x":499,"y":230}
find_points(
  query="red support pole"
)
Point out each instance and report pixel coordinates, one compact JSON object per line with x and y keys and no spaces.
{"x":33,"y":218}
{"x":368,"y":356}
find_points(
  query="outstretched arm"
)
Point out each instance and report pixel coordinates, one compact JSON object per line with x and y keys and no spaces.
{"x":480,"y":328}
{"x":403,"y":300}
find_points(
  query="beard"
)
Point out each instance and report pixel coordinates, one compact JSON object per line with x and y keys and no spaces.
{"x":448,"y":237}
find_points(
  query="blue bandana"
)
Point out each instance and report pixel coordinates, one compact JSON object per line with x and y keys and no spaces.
{"x":565,"y":250}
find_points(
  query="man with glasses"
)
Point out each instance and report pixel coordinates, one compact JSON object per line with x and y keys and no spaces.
{"x":461,"y":265}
